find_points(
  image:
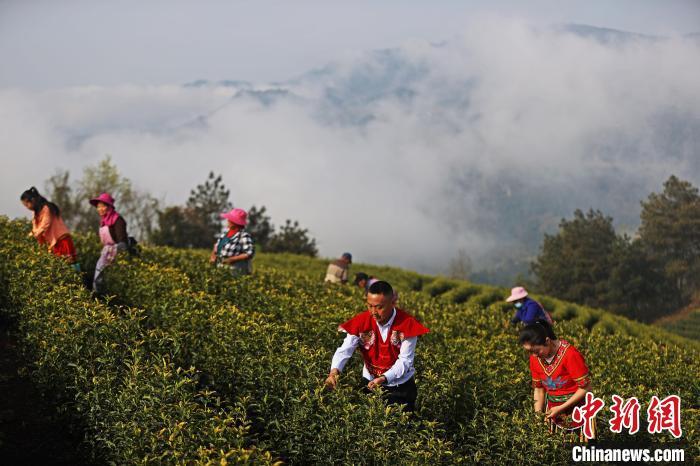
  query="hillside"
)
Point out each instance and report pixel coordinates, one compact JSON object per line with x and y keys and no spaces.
{"x":463,"y":292}
{"x":685,"y":322}
{"x":184,"y":364}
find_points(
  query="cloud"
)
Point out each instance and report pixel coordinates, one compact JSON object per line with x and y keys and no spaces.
{"x":401,"y":156}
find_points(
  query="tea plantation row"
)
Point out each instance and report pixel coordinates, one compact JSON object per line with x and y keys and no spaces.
{"x":473,"y":378}
{"x":112,"y":376}
{"x":234,"y":368}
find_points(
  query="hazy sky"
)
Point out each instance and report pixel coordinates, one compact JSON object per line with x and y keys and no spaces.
{"x":479,"y":116}
{"x":49,"y":44}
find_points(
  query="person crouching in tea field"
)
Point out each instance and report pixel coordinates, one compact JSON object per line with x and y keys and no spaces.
{"x":48,"y":227}
{"x":560,"y":377}
{"x":386,"y":337}
{"x":112,"y":234}
{"x":235,"y":248}
{"x":337,"y":271}
{"x":362,"y":281}
{"x":527,"y":310}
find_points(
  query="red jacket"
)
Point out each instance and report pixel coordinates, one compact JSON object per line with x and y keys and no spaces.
{"x":380,"y":356}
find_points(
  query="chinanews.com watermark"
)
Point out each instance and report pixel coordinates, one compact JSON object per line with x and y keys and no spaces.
{"x":662,"y":415}
{"x":592,"y":454}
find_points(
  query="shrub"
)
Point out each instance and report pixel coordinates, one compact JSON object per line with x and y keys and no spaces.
{"x":112,"y":377}
{"x":440,"y":286}
{"x":462,"y":293}
{"x":255,"y":350}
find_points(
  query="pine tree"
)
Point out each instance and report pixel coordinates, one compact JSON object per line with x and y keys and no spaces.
{"x":575,"y":263}
{"x":292,"y":238}
{"x":670,"y":234}
{"x":260,"y":227}
{"x":203,"y":209}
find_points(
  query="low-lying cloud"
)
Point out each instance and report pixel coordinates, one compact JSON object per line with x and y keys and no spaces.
{"x":401,"y":156}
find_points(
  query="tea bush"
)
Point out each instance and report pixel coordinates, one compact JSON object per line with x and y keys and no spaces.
{"x":461,"y":294}
{"x":440,"y":286}
{"x":108,"y":374}
{"x":473,"y":379}
{"x":688,"y":326}
{"x":270,"y":360}
{"x":260,"y":347}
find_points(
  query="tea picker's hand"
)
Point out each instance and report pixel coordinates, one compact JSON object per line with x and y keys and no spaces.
{"x":552,"y":413}
{"x":376,"y":382}
{"x":332,"y":379}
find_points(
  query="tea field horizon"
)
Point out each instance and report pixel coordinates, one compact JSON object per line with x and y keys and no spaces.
{"x":183,"y":364}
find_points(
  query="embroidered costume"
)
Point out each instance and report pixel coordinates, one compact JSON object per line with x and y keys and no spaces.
{"x":378,"y":354}
{"x":388,"y":350}
{"x":566,"y":373}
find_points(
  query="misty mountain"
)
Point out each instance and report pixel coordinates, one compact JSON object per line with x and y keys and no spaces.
{"x":605,"y":35}
{"x":512,"y":208}
{"x":237,"y":84}
{"x":480,"y":143}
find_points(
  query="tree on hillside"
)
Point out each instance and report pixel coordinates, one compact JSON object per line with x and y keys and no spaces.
{"x":206,"y":202}
{"x":670,"y":235}
{"x":292,"y":238}
{"x":588,"y":263}
{"x":460,"y":266}
{"x":634,"y":288}
{"x":175,"y":228}
{"x":260,"y":227}
{"x":59,"y":191}
{"x":196,"y":224}
{"x":138,"y":208}
{"x":575,"y":263}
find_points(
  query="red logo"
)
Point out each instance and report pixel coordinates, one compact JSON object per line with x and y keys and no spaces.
{"x":665,"y":415}
{"x":587,"y":413}
{"x":625,"y":415}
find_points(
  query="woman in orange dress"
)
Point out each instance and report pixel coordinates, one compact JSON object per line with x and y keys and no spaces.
{"x":48,"y":227}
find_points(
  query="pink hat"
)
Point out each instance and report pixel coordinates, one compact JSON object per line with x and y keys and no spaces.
{"x":516,"y":293}
{"x":104,"y":198}
{"x":237,"y":216}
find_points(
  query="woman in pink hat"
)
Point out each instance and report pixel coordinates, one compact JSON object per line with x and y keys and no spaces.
{"x":112,"y":234}
{"x":527,"y":310}
{"x":235,"y":248}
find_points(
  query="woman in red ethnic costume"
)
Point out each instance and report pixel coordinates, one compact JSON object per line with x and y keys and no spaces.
{"x":386,"y":337}
{"x":560,"y":377}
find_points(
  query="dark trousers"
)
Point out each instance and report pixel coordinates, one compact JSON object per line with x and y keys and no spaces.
{"x":403,"y":394}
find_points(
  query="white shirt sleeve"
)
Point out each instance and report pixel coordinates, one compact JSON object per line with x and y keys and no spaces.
{"x":344,"y":352}
{"x":405,"y":361}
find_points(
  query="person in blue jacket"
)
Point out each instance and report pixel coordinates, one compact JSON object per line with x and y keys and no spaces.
{"x":527,"y":310}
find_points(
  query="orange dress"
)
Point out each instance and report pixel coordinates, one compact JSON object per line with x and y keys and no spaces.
{"x":50,"y":230}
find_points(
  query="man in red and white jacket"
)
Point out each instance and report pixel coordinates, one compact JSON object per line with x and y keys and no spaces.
{"x":386,"y":337}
